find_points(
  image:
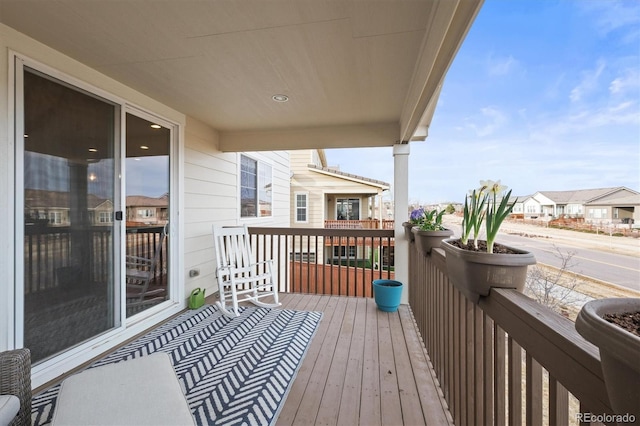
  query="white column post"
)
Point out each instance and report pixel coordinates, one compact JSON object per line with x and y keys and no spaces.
{"x":400,"y":203}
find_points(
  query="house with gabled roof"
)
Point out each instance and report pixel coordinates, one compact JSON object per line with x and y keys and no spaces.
{"x":573,"y":203}
{"x":621,"y":206}
{"x":325,"y":196}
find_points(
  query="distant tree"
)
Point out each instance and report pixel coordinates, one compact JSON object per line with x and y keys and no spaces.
{"x":555,"y":288}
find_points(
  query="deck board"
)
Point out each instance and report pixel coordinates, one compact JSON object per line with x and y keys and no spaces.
{"x":351,"y":393}
{"x":363,"y":367}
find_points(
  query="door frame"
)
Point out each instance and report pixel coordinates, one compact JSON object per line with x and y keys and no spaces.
{"x":125,"y":328}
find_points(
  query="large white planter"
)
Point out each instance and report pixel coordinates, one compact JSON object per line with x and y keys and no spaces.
{"x":619,"y":351}
{"x":475,"y":273}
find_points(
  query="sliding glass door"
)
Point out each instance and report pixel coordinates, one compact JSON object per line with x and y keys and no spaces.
{"x":71,"y":285}
{"x":93,"y":202}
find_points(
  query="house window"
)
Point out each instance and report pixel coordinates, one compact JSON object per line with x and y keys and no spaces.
{"x":144,"y":213}
{"x":341,"y":251}
{"x":256,"y":183}
{"x":55,"y":218}
{"x":301,"y":207}
{"x":303,"y":257}
{"x":105,"y":217}
{"x":348,"y":209}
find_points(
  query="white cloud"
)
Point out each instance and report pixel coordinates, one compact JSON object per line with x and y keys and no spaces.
{"x":589,"y":82}
{"x":493,"y":120}
{"x":630,"y":80}
{"x":501,"y":66}
{"x":615,"y":15}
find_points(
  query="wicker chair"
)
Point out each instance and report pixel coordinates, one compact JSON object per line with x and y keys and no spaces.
{"x":15,"y":379}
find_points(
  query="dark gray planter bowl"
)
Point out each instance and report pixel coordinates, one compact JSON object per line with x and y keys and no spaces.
{"x":407,"y":230}
{"x":475,"y":273}
{"x":619,"y":351}
{"x":426,"y":240}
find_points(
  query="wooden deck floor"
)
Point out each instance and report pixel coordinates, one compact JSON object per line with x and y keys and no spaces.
{"x":364,"y":367}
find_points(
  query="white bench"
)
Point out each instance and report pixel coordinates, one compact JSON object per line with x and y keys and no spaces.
{"x":141,"y":391}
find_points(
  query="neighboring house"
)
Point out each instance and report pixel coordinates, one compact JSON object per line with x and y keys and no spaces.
{"x":52,"y":208}
{"x":618,"y":207}
{"x":525,"y":206}
{"x":147,"y":210}
{"x":194,"y":100}
{"x":326,"y":197}
{"x":583,"y":203}
{"x":322,"y":195}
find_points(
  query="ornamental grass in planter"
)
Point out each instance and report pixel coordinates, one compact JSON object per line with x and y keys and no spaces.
{"x":475,"y":266}
{"x":613,"y":325}
{"x":430,"y":232}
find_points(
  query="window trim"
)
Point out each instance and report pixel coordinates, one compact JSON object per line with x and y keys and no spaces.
{"x":260,"y":163}
{"x":295,"y":206}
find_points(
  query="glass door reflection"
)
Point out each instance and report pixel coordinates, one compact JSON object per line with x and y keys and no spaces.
{"x":69,"y":191}
{"x":147,"y":174}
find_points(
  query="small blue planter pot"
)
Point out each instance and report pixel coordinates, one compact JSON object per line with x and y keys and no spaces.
{"x":387,"y":294}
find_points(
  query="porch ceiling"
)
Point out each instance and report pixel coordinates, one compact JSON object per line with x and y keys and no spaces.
{"x":357,"y":72}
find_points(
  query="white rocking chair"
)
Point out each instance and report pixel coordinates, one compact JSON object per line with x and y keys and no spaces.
{"x":237,"y":272}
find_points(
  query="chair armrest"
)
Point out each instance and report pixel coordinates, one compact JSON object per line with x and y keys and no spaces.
{"x":15,"y":379}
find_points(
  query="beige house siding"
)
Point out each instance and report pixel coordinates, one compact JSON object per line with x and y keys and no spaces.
{"x":211,"y":197}
{"x":307,"y":182}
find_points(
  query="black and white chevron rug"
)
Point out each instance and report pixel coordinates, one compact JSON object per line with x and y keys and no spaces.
{"x":232,"y":370}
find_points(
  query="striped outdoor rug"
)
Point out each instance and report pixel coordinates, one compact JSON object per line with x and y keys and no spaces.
{"x":232,"y":370}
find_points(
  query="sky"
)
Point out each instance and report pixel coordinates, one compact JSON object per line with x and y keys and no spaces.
{"x":543,"y":95}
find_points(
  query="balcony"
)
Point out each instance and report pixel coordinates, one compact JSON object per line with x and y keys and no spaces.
{"x":506,"y":360}
{"x":440,"y":359}
{"x":359,"y":224}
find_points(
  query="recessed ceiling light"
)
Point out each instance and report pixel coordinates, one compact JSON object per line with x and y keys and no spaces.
{"x":156,"y":126}
{"x":280,"y":98}
{"x":93,"y":150}
{"x":144,"y":147}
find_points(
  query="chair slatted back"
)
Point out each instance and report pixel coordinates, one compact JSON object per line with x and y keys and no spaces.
{"x":233,"y":247}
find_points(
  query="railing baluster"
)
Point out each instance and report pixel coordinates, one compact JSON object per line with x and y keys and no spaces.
{"x":515,"y":383}
{"x":488,"y":368}
{"x":558,"y":403}
{"x":469,"y":345}
{"x":455,"y":337}
{"x":478,"y":351}
{"x":534,"y":392}
{"x":499,"y":384}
